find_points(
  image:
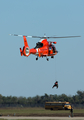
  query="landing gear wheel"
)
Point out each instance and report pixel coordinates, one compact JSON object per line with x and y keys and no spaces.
{"x":52,"y":56}
{"x":47,"y":59}
{"x":36,"y":58}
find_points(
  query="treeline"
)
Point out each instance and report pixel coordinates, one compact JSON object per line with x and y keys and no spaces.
{"x":39,"y":101}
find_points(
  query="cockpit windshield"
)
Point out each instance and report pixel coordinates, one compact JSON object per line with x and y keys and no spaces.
{"x":53,"y":49}
{"x":38,"y":45}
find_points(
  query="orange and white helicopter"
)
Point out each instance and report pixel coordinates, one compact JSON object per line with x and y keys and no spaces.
{"x":43,"y":48}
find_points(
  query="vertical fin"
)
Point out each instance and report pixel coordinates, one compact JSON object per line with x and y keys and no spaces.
{"x":25,"y":41}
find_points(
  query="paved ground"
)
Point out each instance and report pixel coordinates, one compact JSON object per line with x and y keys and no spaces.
{"x":44,"y":118}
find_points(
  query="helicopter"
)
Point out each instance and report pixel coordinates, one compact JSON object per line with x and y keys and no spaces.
{"x":43,"y":48}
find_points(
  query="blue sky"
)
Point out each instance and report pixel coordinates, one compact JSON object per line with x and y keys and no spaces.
{"x":22,"y":76}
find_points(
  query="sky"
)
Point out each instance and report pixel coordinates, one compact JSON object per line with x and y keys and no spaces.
{"x":26,"y":77}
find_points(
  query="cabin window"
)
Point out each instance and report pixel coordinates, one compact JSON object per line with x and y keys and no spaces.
{"x":39,"y":45}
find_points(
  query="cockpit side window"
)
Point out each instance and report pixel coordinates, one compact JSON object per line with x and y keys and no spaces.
{"x":39,"y":45}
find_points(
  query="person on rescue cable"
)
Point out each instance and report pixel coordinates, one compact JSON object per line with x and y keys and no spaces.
{"x":55,"y":84}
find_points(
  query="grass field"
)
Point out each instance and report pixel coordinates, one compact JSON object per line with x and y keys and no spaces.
{"x":36,"y":112}
{"x":42,"y":118}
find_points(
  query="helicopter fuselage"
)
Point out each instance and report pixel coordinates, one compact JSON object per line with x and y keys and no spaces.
{"x":43,"y":48}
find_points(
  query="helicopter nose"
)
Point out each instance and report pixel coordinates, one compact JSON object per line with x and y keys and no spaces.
{"x":56,"y":51}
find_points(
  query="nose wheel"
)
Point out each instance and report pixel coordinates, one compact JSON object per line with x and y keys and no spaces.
{"x":37,"y":58}
{"x":52,"y":56}
{"x":47,"y":58}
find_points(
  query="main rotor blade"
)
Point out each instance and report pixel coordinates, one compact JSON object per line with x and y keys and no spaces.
{"x":44,"y":37}
{"x":63,"y":37}
{"x":26,"y":36}
{"x":20,"y":35}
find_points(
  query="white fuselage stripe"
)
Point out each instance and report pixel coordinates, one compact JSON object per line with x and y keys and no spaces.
{"x":37,"y":51}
